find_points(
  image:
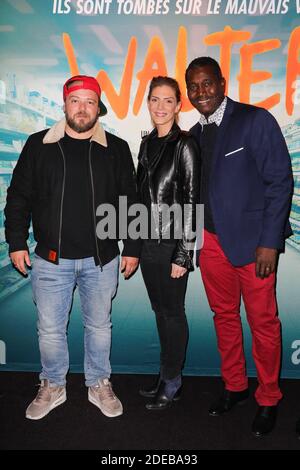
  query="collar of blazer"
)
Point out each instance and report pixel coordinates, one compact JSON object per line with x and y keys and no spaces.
{"x":57,"y":132}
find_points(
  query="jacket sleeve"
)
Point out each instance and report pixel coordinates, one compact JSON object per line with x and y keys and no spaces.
{"x":132,"y":246}
{"x":274,"y":165}
{"x":189,"y":167}
{"x":19,"y":202}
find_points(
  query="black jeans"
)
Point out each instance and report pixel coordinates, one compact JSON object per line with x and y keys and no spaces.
{"x":167,"y":299}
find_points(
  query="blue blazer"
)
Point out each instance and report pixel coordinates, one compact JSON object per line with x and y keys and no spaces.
{"x":251,"y":182}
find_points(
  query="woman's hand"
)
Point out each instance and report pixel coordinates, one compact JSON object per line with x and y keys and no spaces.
{"x":177,"y":271}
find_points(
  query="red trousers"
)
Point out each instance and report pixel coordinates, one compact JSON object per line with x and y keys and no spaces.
{"x":224,"y":285}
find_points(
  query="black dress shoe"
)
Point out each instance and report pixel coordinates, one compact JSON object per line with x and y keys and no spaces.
{"x":227,"y":401}
{"x":298,"y":428}
{"x":161,"y":401}
{"x":152,"y":390}
{"x":264,"y":420}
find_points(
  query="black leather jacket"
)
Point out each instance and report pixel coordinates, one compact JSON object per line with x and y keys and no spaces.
{"x":174,"y":178}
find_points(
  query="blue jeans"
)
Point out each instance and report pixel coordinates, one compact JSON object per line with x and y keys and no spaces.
{"x":53,"y":287}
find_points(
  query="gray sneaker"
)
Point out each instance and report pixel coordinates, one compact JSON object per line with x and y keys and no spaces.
{"x":102,"y":396}
{"x":47,"y":398}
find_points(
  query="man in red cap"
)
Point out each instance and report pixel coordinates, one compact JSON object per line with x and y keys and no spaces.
{"x":63,"y":175}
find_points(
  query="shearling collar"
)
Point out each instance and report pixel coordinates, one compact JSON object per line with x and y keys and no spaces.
{"x":57,"y":132}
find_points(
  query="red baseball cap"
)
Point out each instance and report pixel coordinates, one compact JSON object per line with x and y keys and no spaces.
{"x":87,"y":83}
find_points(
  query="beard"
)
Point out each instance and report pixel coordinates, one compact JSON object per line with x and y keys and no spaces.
{"x":80,"y":126}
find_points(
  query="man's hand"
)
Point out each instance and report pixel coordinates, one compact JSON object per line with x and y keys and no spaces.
{"x":18,"y":259}
{"x":128,"y":266}
{"x":265,"y":261}
{"x":177,"y":271}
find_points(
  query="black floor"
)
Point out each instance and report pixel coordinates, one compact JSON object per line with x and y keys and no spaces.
{"x":77,"y":424}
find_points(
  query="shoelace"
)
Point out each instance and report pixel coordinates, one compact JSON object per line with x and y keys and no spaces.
{"x":105,"y":392}
{"x":42,"y":393}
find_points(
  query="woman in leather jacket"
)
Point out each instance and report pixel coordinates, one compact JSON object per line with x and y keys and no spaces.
{"x":168,"y":185}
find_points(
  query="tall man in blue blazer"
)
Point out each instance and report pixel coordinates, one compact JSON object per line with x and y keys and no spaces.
{"x":246,"y":188}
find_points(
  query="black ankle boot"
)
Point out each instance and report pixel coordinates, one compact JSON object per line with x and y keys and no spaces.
{"x":151,"y":391}
{"x":161,"y":401}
